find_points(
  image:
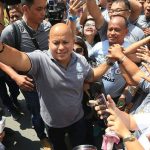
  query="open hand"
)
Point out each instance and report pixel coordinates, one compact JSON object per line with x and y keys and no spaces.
{"x":143,"y":53}
{"x":25,"y":83}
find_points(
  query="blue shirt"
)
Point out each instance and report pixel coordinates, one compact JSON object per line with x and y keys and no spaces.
{"x":113,"y":80}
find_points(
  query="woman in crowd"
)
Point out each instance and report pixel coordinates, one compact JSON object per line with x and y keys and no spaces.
{"x":90,"y":33}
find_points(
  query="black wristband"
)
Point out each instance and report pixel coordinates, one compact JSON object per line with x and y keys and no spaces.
{"x":109,"y":62}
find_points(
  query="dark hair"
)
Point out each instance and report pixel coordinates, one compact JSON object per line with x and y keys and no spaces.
{"x":126,"y":2}
{"x":91,"y":19}
{"x":27,"y":2}
{"x":81,"y":42}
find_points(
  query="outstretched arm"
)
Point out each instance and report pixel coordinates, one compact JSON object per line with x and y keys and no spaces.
{"x":133,"y":48}
{"x":95,"y":12}
{"x":99,"y":71}
{"x":136,"y":8}
{"x":128,"y":78}
{"x":73,"y":10}
{"x":14,"y":58}
{"x":84,"y":15}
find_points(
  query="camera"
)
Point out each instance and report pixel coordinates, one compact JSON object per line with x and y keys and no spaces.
{"x":55,"y":12}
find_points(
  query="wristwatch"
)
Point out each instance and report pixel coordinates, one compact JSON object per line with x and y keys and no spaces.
{"x":109,"y":62}
{"x":129,"y":138}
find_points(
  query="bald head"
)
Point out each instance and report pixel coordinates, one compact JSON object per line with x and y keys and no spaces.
{"x":61,"y":28}
{"x":61,"y":42}
{"x":119,"y":19}
{"x":117,"y":30}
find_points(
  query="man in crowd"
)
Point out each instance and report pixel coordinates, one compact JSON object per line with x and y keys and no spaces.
{"x":59,"y":75}
{"x":113,"y":80}
{"x":14,"y":12}
{"x":144,"y":20}
{"x":9,"y":100}
{"x":130,"y":9}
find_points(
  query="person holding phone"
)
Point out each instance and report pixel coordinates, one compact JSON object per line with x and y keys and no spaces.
{"x":122,"y":124}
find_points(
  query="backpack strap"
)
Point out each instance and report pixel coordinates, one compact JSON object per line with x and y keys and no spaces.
{"x":17,"y":35}
{"x":31,"y":34}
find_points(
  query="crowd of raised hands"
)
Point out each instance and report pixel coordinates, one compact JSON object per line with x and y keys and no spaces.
{"x":119,"y":122}
{"x":122,"y":123}
{"x":87,"y":19}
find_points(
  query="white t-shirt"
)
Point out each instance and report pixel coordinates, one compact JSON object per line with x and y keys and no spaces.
{"x":143,"y":123}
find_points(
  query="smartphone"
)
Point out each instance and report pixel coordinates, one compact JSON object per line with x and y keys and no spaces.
{"x":102,"y":100}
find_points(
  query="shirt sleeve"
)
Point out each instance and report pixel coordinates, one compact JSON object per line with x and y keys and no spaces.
{"x":144,"y":142}
{"x":7,"y":36}
{"x":144,"y":85}
{"x":35,"y":58}
{"x":142,"y":120}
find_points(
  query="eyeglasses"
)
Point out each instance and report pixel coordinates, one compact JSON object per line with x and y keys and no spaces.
{"x":117,"y":10}
{"x":78,"y":50}
{"x":89,"y":25}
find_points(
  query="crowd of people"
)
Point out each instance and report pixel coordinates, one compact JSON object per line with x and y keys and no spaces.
{"x":61,"y":54}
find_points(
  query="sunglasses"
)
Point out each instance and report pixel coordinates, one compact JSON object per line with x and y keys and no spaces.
{"x":78,"y":50}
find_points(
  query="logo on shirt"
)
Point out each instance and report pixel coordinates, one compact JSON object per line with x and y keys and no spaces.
{"x":79,"y":71}
{"x":111,"y":73}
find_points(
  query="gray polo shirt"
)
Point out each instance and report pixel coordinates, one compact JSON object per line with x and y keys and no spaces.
{"x":60,"y":90}
{"x":26,"y":44}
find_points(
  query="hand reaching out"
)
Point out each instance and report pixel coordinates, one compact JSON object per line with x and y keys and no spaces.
{"x":115,"y":123}
{"x":100,"y":108}
{"x":148,"y":69}
{"x":75,"y":5}
{"x":146,"y":31}
{"x":143,"y":53}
